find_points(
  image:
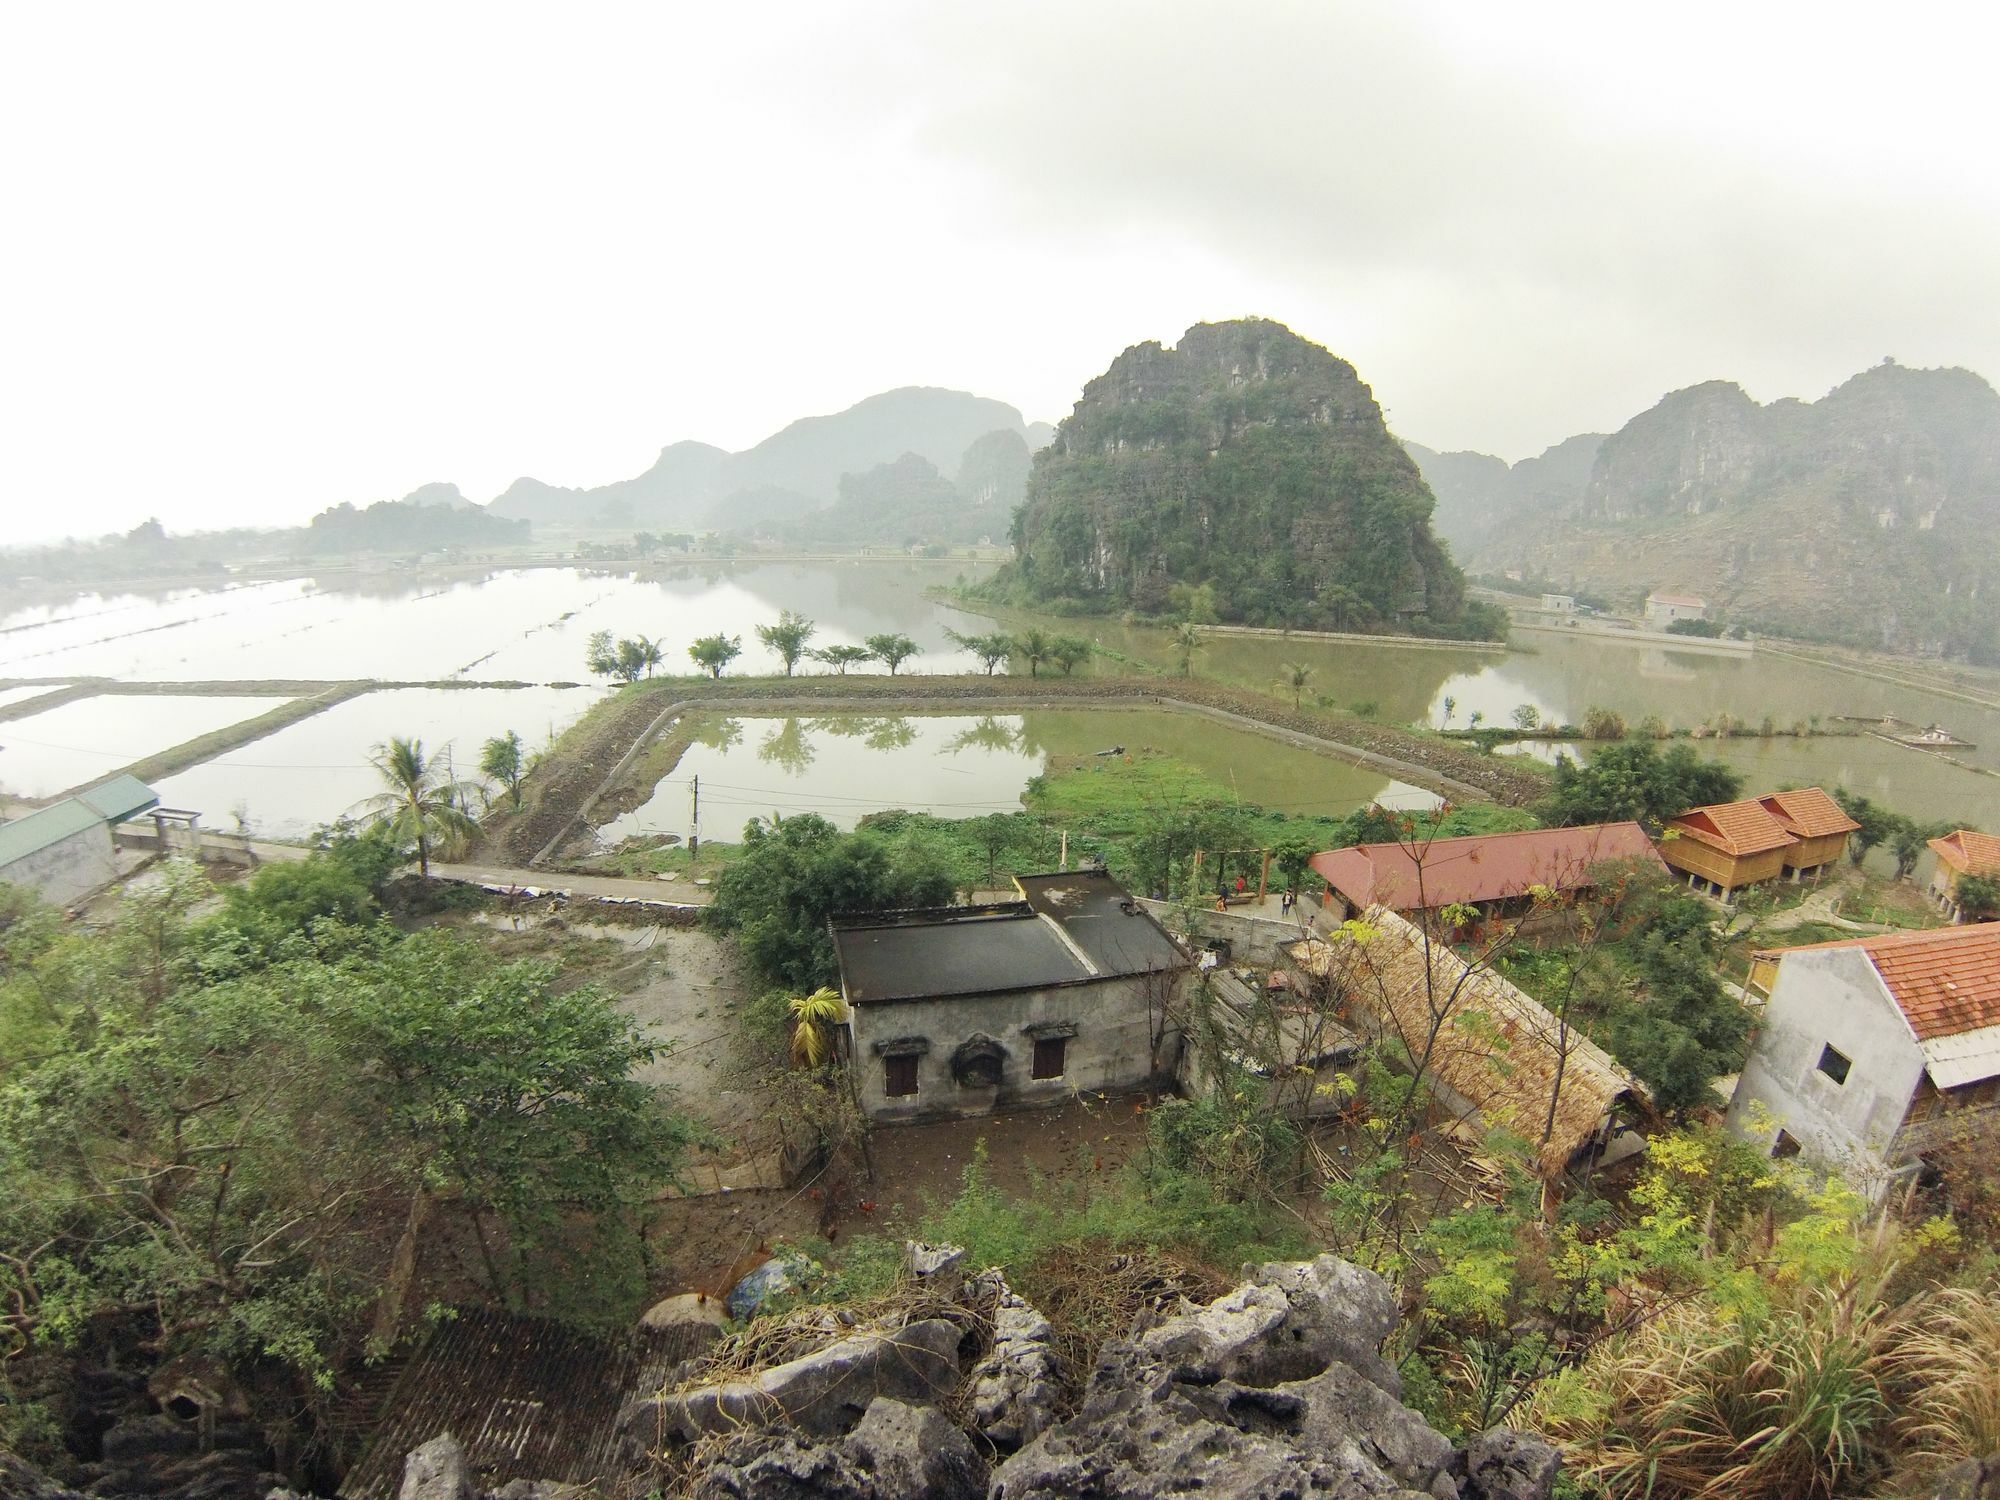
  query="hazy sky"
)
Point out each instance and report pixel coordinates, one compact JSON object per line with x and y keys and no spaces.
{"x":262,"y":258}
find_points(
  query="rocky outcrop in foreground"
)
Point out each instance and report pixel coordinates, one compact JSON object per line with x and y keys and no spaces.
{"x":1278,"y":1388}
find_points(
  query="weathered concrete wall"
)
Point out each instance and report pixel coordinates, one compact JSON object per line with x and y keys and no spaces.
{"x":1115,"y":1048}
{"x":68,"y":870}
{"x":210,"y":845}
{"x":1255,"y":940}
{"x":1820,"y":999}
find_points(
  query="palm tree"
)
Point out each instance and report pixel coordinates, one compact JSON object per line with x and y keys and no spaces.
{"x":421,"y":802}
{"x":1296,"y":675}
{"x":1036,"y":646}
{"x":1186,"y":641}
{"x":815,"y":1016}
{"x":1450,"y":708}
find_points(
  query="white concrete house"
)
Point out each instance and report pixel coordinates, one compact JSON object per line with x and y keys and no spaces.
{"x":63,"y":852}
{"x":1663,"y":609}
{"x":1870,"y":1046}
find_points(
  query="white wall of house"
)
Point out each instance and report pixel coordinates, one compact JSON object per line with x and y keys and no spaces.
{"x":68,"y":869}
{"x":1832,"y":997}
{"x":1663,"y":612}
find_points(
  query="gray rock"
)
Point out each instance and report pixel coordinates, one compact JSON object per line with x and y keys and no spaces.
{"x":436,"y":1471}
{"x":1507,"y":1465}
{"x":823,"y":1392}
{"x":934,"y":1263}
{"x":1013,"y":1391}
{"x":1338,"y":1312}
{"x":895,"y":1451}
{"x":687,"y":1310}
{"x":1971,"y":1479}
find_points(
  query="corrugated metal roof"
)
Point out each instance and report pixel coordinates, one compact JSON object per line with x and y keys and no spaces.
{"x":1969,"y":1057}
{"x":1480,"y":867}
{"x":119,"y":798}
{"x":1808,"y":812}
{"x":528,"y":1399}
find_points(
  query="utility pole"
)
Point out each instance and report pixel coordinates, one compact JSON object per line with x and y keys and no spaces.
{"x":694,"y":825}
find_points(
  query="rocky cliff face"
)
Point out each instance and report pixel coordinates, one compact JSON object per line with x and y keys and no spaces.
{"x":1868,"y":516}
{"x":1246,"y":458}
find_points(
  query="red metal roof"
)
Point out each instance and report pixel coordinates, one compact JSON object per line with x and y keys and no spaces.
{"x":1736,"y":828}
{"x":1946,"y":981}
{"x":1479,"y":867}
{"x":1808,"y":812}
{"x":1969,"y":852}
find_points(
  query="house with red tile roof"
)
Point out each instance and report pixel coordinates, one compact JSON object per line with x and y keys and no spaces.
{"x":1497,"y":873}
{"x":1819,"y":827}
{"x":1726,"y":846}
{"x":1872,"y":1048}
{"x":1960,"y":853}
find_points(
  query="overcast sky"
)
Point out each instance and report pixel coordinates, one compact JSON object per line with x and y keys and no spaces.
{"x":262,"y":258}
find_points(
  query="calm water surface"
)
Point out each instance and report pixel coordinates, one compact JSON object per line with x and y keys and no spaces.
{"x":288,"y":783}
{"x":89,"y":738}
{"x":844,"y":766}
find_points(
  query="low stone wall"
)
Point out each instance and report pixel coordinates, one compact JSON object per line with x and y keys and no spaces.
{"x":1251,"y":939}
{"x":209,"y":845}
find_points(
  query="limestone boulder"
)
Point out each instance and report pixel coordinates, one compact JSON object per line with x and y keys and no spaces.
{"x":1012,"y":1393}
{"x":688,"y":1310}
{"x":824,"y":1392}
{"x":1508,"y":1465}
{"x":436,"y":1471}
{"x":896,"y":1450}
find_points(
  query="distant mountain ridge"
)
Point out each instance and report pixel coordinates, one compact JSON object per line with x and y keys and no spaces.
{"x":1870,"y":516}
{"x":1480,"y":497}
{"x":796,"y":473}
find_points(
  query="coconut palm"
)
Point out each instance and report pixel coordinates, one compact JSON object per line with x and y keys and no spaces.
{"x":422,"y":802}
{"x":815,"y":1016}
{"x":1186,"y":641}
{"x":1295,"y":675}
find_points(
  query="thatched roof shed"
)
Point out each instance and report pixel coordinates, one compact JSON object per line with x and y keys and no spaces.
{"x":1496,"y":1049}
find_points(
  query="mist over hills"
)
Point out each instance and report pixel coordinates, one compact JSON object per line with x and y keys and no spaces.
{"x":802,"y":469}
{"x":1870,"y":516}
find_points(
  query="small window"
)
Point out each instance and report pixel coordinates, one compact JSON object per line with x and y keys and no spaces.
{"x":900,"y":1075}
{"x":1785,"y":1147}
{"x":1050,"y":1056}
{"x":1834,"y":1064}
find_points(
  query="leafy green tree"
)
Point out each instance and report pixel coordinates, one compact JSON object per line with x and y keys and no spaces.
{"x":1293,"y":677}
{"x":502,"y":759}
{"x":1450,"y":707}
{"x":1979,"y":898}
{"x":1635,"y":779}
{"x":843,"y":656}
{"x":793,"y":875}
{"x":714,"y":652}
{"x":626,"y":660}
{"x":1908,"y":839}
{"x":422,"y":803}
{"x":1527,"y":717}
{"x":1069,"y":652}
{"x":1194,"y":602}
{"x":1036,"y":645}
{"x":1877,"y":823}
{"x":892,"y":650}
{"x":992,"y":649}
{"x":601,"y":654}
{"x":1186,"y":640}
{"x":788,"y":637}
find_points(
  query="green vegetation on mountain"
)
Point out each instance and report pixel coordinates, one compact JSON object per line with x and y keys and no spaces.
{"x":408,"y":525}
{"x":1249,"y":460}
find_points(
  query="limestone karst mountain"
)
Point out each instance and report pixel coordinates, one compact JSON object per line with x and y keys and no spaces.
{"x":1249,"y":460}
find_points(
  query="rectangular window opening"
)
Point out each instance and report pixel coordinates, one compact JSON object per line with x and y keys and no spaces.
{"x":1785,"y":1147}
{"x":1050,"y":1057}
{"x":1834,"y":1064}
{"x":900,"y":1075}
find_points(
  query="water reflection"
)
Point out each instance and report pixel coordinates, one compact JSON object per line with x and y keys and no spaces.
{"x":787,"y":748}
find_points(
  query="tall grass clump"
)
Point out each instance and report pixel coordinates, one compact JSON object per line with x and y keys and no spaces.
{"x":1944,"y":1374}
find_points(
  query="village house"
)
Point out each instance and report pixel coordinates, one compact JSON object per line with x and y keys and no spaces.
{"x":1497,"y":874}
{"x":1961,"y":853}
{"x":1559,"y":604}
{"x":1818,"y":826}
{"x":1726,"y":846}
{"x":1871,"y":1048}
{"x":1663,"y":609}
{"x":64,"y":852}
{"x":964,"y":1010}
{"x":1496,"y":1057}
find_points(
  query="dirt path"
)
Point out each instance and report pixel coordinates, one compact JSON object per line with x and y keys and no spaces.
{"x":679,"y":892}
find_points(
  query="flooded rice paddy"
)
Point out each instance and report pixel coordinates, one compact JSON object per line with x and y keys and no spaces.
{"x":309,"y":773}
{"x":845,"y":766}
{"x":88,"y":739}
{"x":532,"y":625}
